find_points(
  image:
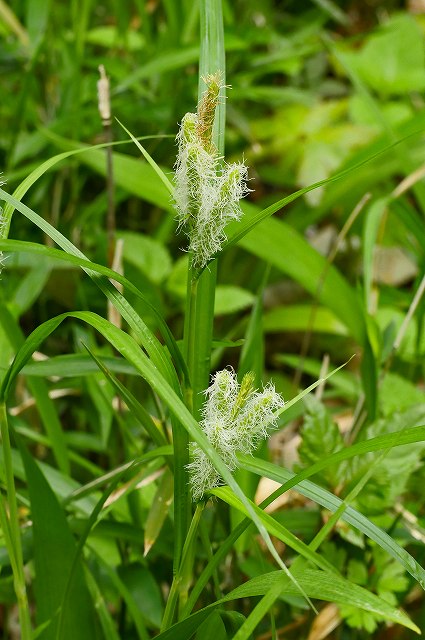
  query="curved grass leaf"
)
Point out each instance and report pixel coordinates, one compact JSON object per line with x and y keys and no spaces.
{"x":331,"y":502}
{"x":48,"y":164}
{"x":148,"y":339}
{"x":275,"y":529}
{"x":54,"y":550}
{"x":87,"y":265}
{"x":129,"y":348}
{"x":159,"y":172}
{"x":317,"y":584}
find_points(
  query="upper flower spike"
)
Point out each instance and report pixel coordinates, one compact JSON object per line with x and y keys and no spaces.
{"x":207,"y":190}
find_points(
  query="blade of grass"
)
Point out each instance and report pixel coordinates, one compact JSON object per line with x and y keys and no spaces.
{"x":56,"y":254}
{"x":331,"y":502}
{"x":325,"y":499}
{"x":128,"y":347}
{"x":148,"y":339}
{"x":316,"y":583}
{"x":159,"y":172}
{"x":54,"y":550}
{"x":11,"y":528}
{"x":275,"y":529}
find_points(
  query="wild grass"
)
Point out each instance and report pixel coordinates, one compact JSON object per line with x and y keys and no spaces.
{"x":138,"y":497}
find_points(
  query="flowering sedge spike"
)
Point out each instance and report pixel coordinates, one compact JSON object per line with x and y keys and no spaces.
{"x":194,"y":166}
{"x":234,"y":418}
{"x":207,"y":190}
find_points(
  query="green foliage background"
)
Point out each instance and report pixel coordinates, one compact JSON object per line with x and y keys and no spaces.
{"x":321,"y":92}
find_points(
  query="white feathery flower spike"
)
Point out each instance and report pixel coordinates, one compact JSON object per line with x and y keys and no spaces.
{"x":235,"y":417}
{"x":207,"y":190}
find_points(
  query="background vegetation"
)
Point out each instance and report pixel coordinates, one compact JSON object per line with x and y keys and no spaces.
{"x":319,"y":90}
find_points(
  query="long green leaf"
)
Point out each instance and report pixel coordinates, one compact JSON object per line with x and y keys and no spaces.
{"x":275,"y":529}
{"x":317,"y":584}
{"x":85,"y":264}
{"x":54,"y":550}
{"x":331,"y":502}
{"x":129,"y":348}
{"x":148,"y":339}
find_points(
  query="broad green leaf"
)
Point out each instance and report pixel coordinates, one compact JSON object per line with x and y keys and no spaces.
{"x":148,"y":255}
{"x":29,"y":288}
{"x":302,"y":317}
{"x":397,"y":394}
{"x":108,"y":36}
{"x":145,"y":591}
{"x":392,"y":60}
{"x":54,"y":551}
{"x":230,"y":299}
{"x":212,"y":628}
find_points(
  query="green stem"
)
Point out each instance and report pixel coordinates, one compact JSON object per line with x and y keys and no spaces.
{"x":182,"y":578}
{"x":198,"y":329}
{"x":198,"y":332}
{"x":11,"y":529}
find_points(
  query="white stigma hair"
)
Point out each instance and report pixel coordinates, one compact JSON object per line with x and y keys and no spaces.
{"x":235,"y":417}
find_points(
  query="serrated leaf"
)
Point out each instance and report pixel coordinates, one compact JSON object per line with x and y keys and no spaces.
{"x":320,"y":437}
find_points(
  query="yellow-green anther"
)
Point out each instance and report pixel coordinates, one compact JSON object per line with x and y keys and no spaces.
{"x":206,"y":110}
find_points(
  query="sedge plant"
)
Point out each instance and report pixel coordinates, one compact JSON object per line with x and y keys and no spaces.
{"x":204,"y":428}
